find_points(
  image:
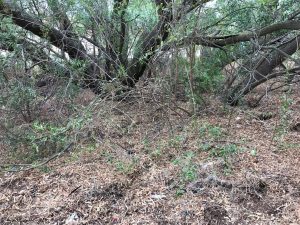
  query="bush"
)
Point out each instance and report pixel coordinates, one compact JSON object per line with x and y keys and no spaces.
{"x":34,"y":121}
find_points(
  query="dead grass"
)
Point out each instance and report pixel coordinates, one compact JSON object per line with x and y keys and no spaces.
{"x":131,"y":176}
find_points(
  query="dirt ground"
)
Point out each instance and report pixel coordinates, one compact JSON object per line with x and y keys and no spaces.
{"x":155,"y":164}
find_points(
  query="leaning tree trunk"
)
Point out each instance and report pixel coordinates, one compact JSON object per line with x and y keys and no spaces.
{"x":262,"y":71}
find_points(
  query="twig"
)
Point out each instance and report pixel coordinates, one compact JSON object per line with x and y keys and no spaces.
{"x":74,"y":190}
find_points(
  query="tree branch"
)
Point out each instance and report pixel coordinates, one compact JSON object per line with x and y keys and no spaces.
{"x":73,"y":47}
{"x":220,"y":41}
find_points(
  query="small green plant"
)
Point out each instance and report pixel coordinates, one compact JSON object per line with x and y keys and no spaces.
{"x":285,"y":145}
{"x":283,"y":126}
{"x":42,"y":139}
{"x":74,"y":156}
{"x":188,"y":170}
{"x":36,"y":140}
{"x":91,"y":147}
{"x":211,"y":131}
{"x":176,"y":142}
{"x":253,"y":152}
{"x":156,"y":153}
{"x":147,"y":145}
{"x":225,"y":151}
{"x":107,"y":156}
{"x":265,"y":115}
{"x":205,"y":146}
{"x":180,"y":191}
{"x":125,"y":167}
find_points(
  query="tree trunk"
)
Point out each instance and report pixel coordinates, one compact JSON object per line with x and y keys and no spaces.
{"x":264,"y":67}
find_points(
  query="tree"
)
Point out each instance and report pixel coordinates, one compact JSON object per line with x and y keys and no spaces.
{"x":111,"y":42}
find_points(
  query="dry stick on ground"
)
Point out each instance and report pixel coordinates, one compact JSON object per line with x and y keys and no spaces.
{"x":180,"y":108}
{"x":32,"y":166}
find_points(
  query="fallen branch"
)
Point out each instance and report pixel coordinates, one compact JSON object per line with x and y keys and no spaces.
{"x":32,"y":166}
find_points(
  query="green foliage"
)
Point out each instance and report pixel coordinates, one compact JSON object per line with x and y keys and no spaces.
{"x":155,"y":151}
{"x":176,"y":141}
{"x":253,"y":152}
{"x":283,"y":126}
{"x":20,"y":98}
{"x":286,"y":102}
{"x":124,"y":167}
{"x":211,"y":131}
{"x":286,"y":145}
{"x":28,"y":136}
{"x":145,"y":13}
{"x":45,"y":169}
{"x":8,"y":32}
{"x":206,"y":74}
{"x":146,"y":145}
{"x":41,"y":139}
{"x":216,"y":148}
{"x":225,"y":151}
{"x":248,"y":14}
{"x":43,"y":133}
{"x":188,"y":171}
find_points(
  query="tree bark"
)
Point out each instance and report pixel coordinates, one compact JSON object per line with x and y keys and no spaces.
{"x":221,"y":41}
{"x":72,"y":46}
{"x":264,"y":67}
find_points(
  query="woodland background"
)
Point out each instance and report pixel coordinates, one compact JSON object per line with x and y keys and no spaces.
{"x":149,"y":111}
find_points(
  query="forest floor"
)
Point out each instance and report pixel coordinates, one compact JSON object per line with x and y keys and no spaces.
{"x":155,"y":164}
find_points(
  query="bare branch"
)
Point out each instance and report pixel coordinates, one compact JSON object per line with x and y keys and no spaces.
{"x":220,"y":41}
{"x":73,"y":47}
